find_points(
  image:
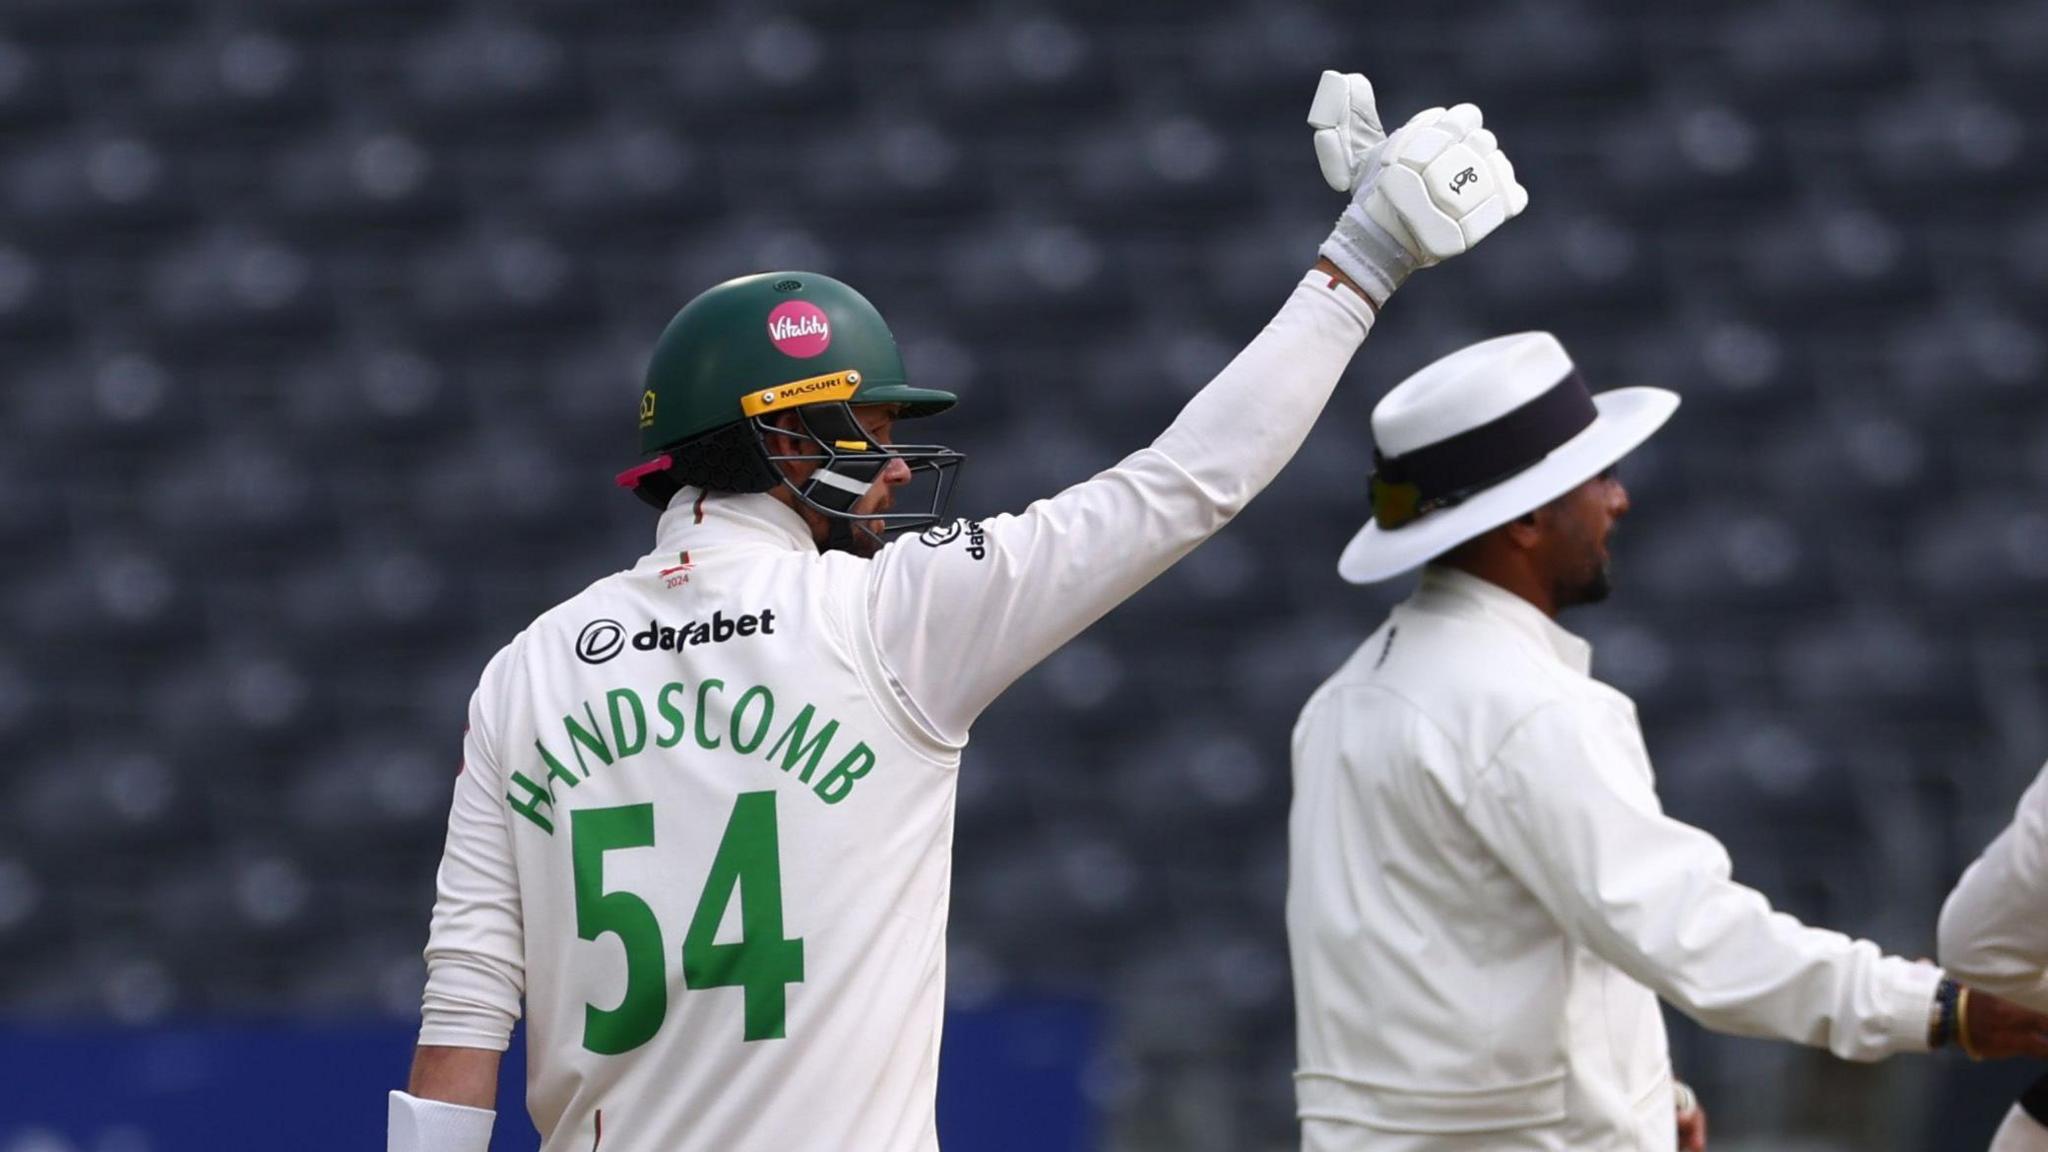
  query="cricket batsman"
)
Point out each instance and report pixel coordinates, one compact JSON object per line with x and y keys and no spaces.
{"x":703,"y":830}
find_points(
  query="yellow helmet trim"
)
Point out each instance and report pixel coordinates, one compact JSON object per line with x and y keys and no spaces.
{"x":814,"y":390}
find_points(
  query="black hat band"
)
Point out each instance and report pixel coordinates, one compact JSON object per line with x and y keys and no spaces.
{"x":1407,"y":487}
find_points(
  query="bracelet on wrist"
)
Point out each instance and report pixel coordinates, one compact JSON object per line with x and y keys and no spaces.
{"x":1963,"y":1023}
{"x":1943,"y":1014}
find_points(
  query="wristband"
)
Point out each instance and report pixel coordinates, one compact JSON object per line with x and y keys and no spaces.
{"x":1369,"y":254}
{"x":1942,"y":1014}
{"x":416,"y":1125}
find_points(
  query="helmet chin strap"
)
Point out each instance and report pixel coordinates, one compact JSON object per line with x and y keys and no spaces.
{"x":845,"y":534}
{"x":836,"y":487}
{"x":840,"y":482}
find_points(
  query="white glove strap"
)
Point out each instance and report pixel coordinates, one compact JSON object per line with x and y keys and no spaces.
{"x":418,"y":1125}
{"x":1368,"y":253}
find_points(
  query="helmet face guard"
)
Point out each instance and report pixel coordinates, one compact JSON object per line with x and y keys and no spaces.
{"x":848,"y":465}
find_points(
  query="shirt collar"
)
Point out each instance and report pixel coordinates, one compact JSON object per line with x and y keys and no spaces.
{"x":1461,"y":593}
{"x":698,"y":520}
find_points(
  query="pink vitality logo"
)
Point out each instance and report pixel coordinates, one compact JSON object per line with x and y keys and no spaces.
{"x":799,"y":328}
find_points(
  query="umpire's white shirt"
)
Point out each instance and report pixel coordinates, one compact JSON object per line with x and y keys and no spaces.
{"x":1994,"y":934}
{"x":714,"y":862}
{"x":1486,"y":900}
{"x":1994,"y":927}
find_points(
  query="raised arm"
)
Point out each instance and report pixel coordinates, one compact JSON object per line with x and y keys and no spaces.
{"x":959,"y":615}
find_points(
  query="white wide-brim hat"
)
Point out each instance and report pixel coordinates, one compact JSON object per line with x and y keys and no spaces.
{"x":1485,"y":435}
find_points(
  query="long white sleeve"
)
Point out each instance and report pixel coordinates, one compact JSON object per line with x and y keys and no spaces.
{"x":958,"y":618}
{"x":1568,"y":806}
{"x":1994,"y":927}
{"x":476,"y":960}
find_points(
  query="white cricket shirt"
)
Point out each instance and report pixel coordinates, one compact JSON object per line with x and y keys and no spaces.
{"x":1994,"y":926}
{"x":1486,"y":900}
{"x":705,"y":822}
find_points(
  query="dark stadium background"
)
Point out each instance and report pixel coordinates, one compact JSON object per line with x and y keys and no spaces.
{"x":321,"y":324}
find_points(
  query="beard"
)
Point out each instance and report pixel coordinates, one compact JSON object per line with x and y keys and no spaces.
{"x":866,"y":542}
{"x":1600,"y":587}
{"x":1590,"y":588}
{"x":861,"y":538}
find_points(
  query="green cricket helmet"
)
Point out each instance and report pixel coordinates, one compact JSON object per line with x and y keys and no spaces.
{"x":744,"y":354}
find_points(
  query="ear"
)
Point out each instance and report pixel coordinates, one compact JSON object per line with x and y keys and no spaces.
{"x":1527,"y":530}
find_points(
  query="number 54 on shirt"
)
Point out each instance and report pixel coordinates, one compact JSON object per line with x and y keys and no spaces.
{"x":763,"y":964}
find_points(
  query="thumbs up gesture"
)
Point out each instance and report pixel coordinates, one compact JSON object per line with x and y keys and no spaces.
{"x":1433,"y":189}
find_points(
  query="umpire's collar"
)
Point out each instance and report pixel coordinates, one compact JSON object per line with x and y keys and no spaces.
{"x":1457,"y":593}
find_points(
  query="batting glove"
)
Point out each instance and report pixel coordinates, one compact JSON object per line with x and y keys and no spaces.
{"x":1430,"y":191}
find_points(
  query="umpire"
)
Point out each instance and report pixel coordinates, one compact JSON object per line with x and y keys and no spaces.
{"x":1485,"y":898}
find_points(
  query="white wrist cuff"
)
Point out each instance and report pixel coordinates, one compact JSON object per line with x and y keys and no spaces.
{"x":1368,"y":253}
{"x":418,"y":1125}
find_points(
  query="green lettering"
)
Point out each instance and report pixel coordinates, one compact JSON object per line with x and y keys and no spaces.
{"x":556,"y":770}
{"x":839,"y":781}
{"x":794,"y":735}
{"x":704,"y":690}
{"x":670,"y":713}
{"x":764,"y":962}
{"x":739,"y":712}
{"x":581,"y":738}
{"x":537,"y":798}
{"x":639,"y":740}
